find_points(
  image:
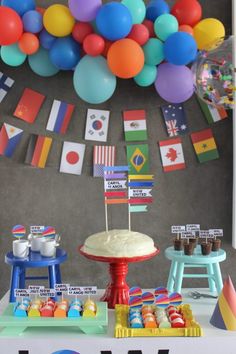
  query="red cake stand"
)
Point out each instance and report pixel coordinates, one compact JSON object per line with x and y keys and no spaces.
{"x":117,"y":291}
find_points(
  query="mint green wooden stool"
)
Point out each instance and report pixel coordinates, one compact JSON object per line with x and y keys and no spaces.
{"x":179,"y":261}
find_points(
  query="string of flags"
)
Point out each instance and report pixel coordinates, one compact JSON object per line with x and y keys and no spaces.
{"x":97,"y":123}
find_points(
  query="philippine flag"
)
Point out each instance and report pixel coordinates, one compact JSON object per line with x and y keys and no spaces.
{"x":10,"y":137}
{"x":60,"y":117}
{"x":72,"y":158}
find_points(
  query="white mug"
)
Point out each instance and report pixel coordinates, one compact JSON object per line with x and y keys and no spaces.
{"x":20,"y":248}
{"x":35,"y":242}
{"x":48,"y":247}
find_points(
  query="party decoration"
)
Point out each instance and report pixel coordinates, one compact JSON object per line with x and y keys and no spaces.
{"x":162,"y":301}
{"x":18,"y":231}
{"x":165,"y":25}
{"x":97,"y":125}
{"x":6,"y":84}
{"x":205,"y":145}
{"x":12,"y":55}
{"x":115,"y":188}
{"x":135,"y":125}
{"x":28,"y":43}
{"x":72,"y":158}
{"x":207,"y":31}
{"x":139,"y":33}
{"x":29,"y":105}
{"x":224,"y":315}
{"x":84,"y":11}
{"x":138,"y":159}
{"x":97,"y":86}
{"x":187,"y":12}
{"x":65,"y":53}
{"x":174,"y":83}
{"x":21,"y":6}
{"x":175,"y":119}
{"x":156,"y":8}
{"x":213,"y":114}
{"x":10,"y":137}
{"x":32,"y":21}
{"x":150,"y":27}
{"x":139,"y":195}
{"x":186,"y":28}
{"x":114,"y":21}
{"x":137,"y":9}
{"x":38,"y":150}
{"x":175,"y":299}
{"x":11,"y":26}
{"x":81,"y":30}
{"x":160,"y":290}
{"x":46,"y":39}
{"x":58,"y":20}
{"x":135,"y":302}
{"x":49,"y":232}
{"x":180,"y":48}
{"x":135,"y":291}
{"x":125,"y":58}
{"x":148,"y":298}
{"x":153,"y":52}
{"x":172,"y":155}
{"x":102,"y":156}
{"x":60,"y":116}
{"x":41,"y":64}
{"x":147,"y":76}
{"x":93,"y":45}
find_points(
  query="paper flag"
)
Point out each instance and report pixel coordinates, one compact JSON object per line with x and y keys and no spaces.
{"x":175,"y":119}
{"x":38,"y":150}
{"x":115,"y":188}
{"x":172,"y":155}
{"x":60,"y":116}
{"x":205,"y":145}
{"x":5,"y":85}
{"x":212,"y":114}
{"x":138,"y":159}
{"x":10,"y":137}
{"x":102,"y":156}
{"x":72,"y":158}
{"x":97,"y":125}
{"x":29,"y":105}
{"x":135,"y":125}
{"x":224,"y":315}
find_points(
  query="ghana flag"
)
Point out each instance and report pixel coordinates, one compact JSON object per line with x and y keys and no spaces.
{"x":205,"y":145}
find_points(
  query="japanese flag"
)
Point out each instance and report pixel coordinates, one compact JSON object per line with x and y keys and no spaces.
{"x":72,"y":158}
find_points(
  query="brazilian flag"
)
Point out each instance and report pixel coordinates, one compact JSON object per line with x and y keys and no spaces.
{"x":138,"y":159}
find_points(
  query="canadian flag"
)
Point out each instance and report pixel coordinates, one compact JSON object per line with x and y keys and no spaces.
{"x":72,"y":158}
{"x":172,"y":155}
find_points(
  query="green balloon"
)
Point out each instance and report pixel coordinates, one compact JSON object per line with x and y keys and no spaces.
{"x":153,"y":51}
{"x":165,"y":25}
{"x":41,"y":65}
{"x":11,"y":55}
{"x":137,"y":9}
{"x":147,"y":76}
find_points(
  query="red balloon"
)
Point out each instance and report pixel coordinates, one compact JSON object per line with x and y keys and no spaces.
{"x":106,"y":47}
{"x":139,"y":33}
{"x":11,"y":26}
{"x":81,"y":30}
{"x":93,"y":44}
{"x":187,"y":12}
{"x":150,"y":26}
{"x":28,"y":43}
{"x":186,"y":28}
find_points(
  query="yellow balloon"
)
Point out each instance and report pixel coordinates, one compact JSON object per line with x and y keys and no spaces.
{"x":207,"y":31}
{"x":58,"y":20}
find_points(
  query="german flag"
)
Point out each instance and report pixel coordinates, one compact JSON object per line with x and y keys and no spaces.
{"x":38,"y":150}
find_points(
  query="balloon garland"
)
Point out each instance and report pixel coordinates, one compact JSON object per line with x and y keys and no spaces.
{"x":152,"y":44}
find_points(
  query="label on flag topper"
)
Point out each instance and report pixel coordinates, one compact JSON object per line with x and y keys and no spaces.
{"x":78,"y":290}
{"x":62,"y":288}
{"x":187,"y":234}
{"x":175,"y":229}
{"x":35,"y":289}
{"x":36,"y":230}
{"x":216,"y":233}
{"x":115,"y":184}
{"x":47,"y":293}
{"x":21,"y":292}
{"x":204,"y":234}
{"x":139,"y":193}
{"x":193,"y":227}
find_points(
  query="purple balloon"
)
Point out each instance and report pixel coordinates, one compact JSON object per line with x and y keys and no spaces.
{"x":85,"y":11}
{"x":174,"y":83}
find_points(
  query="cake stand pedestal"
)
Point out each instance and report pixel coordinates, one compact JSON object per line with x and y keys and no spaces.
{"x":117,"y":291}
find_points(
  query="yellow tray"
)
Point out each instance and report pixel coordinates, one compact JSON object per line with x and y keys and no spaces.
{"x":122,"y":330}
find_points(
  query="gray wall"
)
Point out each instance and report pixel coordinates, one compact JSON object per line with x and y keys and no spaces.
{"x":74,"y":204}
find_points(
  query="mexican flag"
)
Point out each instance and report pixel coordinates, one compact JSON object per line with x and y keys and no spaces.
{"x":135,"y":125}
{"x":212,"y":114}
{"x":205,"y":145}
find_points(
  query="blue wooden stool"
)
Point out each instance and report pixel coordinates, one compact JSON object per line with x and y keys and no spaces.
{"x":179,"y":261}
{"x":34,"y":260}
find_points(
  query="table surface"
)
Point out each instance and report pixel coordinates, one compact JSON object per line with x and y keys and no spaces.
{"x":35,"y":259}
{"x":197,"y":257}
{"x":214,"y":341}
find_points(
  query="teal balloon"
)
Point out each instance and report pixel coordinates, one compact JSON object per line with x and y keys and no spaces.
{"x":147,"y":76}
{"x":153,"y":51}
{"x":93,"y":81}
{"x":11,"y":55}
{"x":41,"y":64}
{"x":137,"y":9}
{"x":165,"y":25}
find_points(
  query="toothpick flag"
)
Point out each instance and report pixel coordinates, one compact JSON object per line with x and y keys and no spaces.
{"x":212,"y":114}
{"x":172,"y":155}
{"x":102,"y":156}
{"x":137,"y":158}
{"x":115,"y":184}
{"x":205,"y":145}
{"x":29,"y":105}
{"x":97,"y":125}
{"x":135,"y":125}
{"x":72,"y":158}
{"x":140,"y":188}
{"x":6,"y":84}
{"x":175,"y":119}
{"x":38,"y":150}
{"x":60,"y":116}
{"x":10,"y":137}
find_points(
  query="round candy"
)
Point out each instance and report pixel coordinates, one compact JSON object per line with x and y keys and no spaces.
{"x":160,"y":290}
{"x":85,"y":11}
{"x":180,"y":48}
{"x":175,"y":299}
{"x":207,"y":31}
{"x":41,"y":64}
{"x":28,"y":43}
{"x":18,"y":231}
{"x":165,"y":25}
{"x":81,"y":30}
{"x":137,"y":9}
{"x":187,"y":12}
{"x":11,"y":26}
{"x":93,"y":45}
{"x":162,"y":301}
{"x":177,"y":323}
{"x":156,"y":8}
{"x":135,"y":291}
{"x":58,"y":20}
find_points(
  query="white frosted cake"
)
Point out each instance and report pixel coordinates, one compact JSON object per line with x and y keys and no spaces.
{"x":119,"y":243}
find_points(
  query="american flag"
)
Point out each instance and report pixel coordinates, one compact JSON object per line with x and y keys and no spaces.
{"x":5,"y":84}
{"x":102,"y":156}
{"x":175,"y":119}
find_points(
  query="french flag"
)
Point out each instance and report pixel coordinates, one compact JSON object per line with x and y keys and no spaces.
{"x":60,"y":117}
{"x":10,"y":137}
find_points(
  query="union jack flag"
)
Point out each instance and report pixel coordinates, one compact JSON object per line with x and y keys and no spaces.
{"x":172,"y":129}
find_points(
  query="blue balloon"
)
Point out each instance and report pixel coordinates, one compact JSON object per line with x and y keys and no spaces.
{"x":180,"y":48}
{"x":32,"y":21}
{"x":20,"y":6}
{"x":11,"y":55}
{"x":65,"y":53}
{"x":114,"y":21}
{"x":156,"y":8}
{"x":46,"y":39}
{"x":41,"y":64}
{"x":93,"y":81}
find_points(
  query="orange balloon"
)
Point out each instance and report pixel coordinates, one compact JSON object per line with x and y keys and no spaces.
{"x":28,"y":43}
{"x":186,"y":28}
{"x":125,"y":58}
